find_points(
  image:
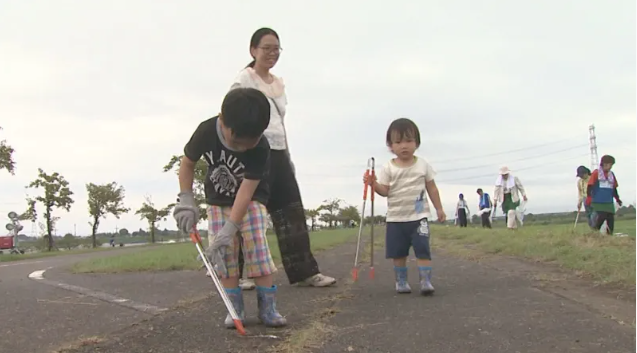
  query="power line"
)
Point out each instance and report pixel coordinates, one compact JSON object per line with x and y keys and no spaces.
{"x":362,"y":165}
{"x":447,"y":180}
{"x":517,"y":170}
{"x":515,"y":160}
{"x":466,"y":168}
{"x":501,"y":153}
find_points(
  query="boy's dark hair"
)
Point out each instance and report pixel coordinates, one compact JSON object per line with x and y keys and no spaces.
{"x":479,"y":190}
{"x":607,"y":159}
{"x":404,"y":128}
{"x":246,"y":112}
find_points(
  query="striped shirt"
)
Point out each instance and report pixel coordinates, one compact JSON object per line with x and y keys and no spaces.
{"x":407,"y":198}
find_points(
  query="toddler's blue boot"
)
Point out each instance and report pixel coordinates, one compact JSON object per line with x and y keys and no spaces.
{"x":402,"y":286}
{"x":426,"y":288}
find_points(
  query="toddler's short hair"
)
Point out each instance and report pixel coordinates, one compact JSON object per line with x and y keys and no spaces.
{"x":404,"y":128}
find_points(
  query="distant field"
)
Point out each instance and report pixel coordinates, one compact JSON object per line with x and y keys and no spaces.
{"x":608,"y":259}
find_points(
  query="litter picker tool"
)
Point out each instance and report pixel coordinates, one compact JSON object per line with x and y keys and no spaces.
{"x":369,"y":175}
{"x":577,"y":217}
{"x":194,"y":236}
{"x":371,"y":196}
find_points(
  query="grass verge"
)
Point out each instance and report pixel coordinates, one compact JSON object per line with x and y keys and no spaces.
{"x":17,"y":257}
{"x":182,"y":256}
{"x":607,"y":259}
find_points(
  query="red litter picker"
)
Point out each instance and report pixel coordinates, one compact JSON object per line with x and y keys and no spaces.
{"x":370,"y":175}
{"x":194,"y":236}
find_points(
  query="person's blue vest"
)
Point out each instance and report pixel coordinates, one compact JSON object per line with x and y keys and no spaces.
{"x":603,"y":189}
{"x":484,"y":201}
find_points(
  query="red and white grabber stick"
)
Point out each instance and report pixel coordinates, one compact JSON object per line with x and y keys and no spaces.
{"x":370,"y":174}
{"x":194,"y":236}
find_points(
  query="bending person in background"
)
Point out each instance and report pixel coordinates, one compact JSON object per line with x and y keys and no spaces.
{"x":285,"y":206}
{"x":462,"y":211}
{"x":485,"y":207}
{"x":507,"y":192}
{"x":584,"y":175}
{"x":602,"y":188}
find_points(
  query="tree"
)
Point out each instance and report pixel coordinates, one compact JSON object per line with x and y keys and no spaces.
{"x":201,"y":169}
{"x":6,"y":157}
{"x":124,"y":232}
{"x":331,"y":207}
{"x":68,"y":241}
{"x":350,"y":213}
{"x":104,"y":200}
{"x":312,"y":214}
{"x":153,"y":215}
{"x":56,"y":195}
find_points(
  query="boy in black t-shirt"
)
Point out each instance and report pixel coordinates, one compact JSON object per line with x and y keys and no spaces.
{"x":236,"y":191}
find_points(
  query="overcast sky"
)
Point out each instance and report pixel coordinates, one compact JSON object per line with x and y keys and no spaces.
{"x":108,"y":91}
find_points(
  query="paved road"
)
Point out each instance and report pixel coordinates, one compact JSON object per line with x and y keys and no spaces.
{"x":477,"y":308}
{"x":35,"y":317}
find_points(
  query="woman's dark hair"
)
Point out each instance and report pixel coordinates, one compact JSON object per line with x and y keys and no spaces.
{"x":256,"y":40}
{"x":404,"y":128}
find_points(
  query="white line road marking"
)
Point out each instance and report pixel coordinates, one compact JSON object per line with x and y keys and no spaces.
{"x":37,"y":274}
{"x":21,"y":263}
{"x":147,"y":308}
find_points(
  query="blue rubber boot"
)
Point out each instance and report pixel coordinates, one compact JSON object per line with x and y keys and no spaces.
{"x":426,"y":288}
{"x":266,"y":299}
{"x":402,"y":286}
{"x":236,"y":297}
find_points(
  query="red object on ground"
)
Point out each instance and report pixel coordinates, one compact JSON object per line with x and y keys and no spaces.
{"x":6,"y":242}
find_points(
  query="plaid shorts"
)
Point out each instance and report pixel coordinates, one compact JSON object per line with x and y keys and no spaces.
{"x":256,"y":253}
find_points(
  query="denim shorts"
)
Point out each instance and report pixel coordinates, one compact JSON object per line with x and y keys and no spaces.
{"x":400,"y":236}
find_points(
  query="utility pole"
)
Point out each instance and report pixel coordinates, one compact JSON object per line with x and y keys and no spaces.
{"x":593,"y":145}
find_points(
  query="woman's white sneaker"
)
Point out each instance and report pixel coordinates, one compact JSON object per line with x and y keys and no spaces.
{"x":319,"y":280}
{"x":247,"y":284}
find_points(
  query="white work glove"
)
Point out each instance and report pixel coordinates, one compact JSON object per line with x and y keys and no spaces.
{"x":216,"y":251}
{"x":186,"y":212}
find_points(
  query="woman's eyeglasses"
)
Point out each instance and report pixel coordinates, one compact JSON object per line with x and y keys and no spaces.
{"x":271,"y":49}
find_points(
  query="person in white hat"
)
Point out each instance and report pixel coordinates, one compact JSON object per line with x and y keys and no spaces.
{"x":507,"y":192}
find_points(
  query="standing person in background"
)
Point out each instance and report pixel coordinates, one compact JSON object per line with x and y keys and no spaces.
{"x":285,"y":206}
{"x":584,"y":175}
{"x":485,"y":207}
{"x":507,"y":192}
{"x":462,"y":212}
{"x":602,"y":188}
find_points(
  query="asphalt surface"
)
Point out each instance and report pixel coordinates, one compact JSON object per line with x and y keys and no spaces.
{"x":35,"y":317}
{"x":476,"y":309}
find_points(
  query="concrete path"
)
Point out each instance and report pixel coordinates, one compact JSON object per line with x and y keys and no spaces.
{"x":39,"y":315}
{"x":478,"y":307}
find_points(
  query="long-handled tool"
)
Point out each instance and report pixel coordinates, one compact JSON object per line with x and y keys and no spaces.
{"x":576,"y":218}
{"x":369,"y":175}
{"x":371,"y":196}
{"x":194,"y":236}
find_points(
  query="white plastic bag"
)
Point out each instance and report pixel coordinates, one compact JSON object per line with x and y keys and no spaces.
{"x":519,"y":212}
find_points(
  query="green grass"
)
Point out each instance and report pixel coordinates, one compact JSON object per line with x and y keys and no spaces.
{"x":38,"y":255}
{"x":182,"y":256}
{"x":607,"y":259}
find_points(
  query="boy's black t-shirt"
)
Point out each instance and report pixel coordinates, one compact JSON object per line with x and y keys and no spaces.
{"x":228,"y":168}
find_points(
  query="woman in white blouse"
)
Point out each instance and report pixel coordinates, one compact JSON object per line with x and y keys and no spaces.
{"x":285,"y":206}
